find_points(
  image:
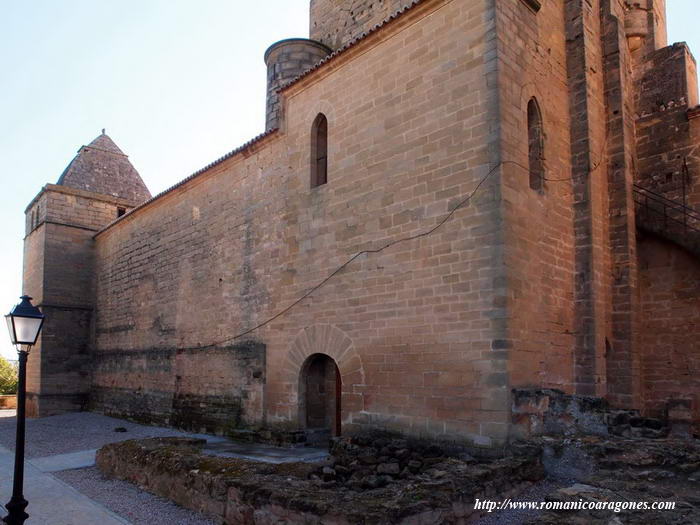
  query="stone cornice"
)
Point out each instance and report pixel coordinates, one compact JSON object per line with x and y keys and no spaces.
{"x":81,"y":193}
{"x":245,"y":150}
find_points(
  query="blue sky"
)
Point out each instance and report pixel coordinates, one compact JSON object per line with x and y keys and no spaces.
{"x":176,"y":83}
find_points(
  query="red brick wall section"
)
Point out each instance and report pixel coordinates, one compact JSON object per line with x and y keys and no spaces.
{"x":670,"y":339}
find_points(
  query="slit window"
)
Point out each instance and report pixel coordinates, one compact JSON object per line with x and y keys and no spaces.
{"x":535,"y":135}
{"x":319,"y":151}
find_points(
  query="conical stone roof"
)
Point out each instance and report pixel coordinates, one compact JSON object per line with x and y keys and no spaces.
{"x":101,"y":167}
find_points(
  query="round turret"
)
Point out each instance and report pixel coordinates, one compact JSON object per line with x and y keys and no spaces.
{"x":286,"y":60}
{"x":636,"y":26}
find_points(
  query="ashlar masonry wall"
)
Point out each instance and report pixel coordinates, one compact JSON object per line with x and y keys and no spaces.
{"x":670,"y":347}
{"x":668,"y":142}
{"x":537,"y":294}
{"x":58,"y":274}
{"x":412,"y":329}
{"x":668,"y":139}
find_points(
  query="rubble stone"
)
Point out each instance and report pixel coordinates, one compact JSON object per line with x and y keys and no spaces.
{"x":234,"y":490}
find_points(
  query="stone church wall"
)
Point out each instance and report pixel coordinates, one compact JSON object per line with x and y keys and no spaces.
{"x":668,"y":140}
{"x":622,"y":359}
{"x":668,"y":145}
{"x":670,"y":339}
{"x":197,"y":390}
{"x":33,"y":284}
{"x":58,"y":274}
{"x":202,"y":308}
{"x":415,"y":330}
{"x":538,"y":224}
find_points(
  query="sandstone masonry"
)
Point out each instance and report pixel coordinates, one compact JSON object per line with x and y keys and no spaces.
{"x":573,"y":265}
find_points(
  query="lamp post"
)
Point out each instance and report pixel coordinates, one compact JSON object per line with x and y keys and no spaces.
{"x":24,"y":323}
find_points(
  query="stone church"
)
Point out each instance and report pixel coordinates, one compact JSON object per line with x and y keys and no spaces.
{"x":453,"y":200}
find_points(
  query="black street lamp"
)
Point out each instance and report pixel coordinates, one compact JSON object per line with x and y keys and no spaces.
{"x":24,"y":323}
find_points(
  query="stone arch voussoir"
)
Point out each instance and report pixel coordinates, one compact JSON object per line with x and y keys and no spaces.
{"x":331,"y":341}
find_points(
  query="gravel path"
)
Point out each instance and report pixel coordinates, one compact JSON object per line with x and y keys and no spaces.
{"x":85,"y":431}
{"x":128,"y":501}
{"x":73,"y":432}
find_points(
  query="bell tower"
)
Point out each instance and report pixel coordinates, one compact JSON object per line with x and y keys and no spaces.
{"x":98,"y":186}
{"x":334,"y":23}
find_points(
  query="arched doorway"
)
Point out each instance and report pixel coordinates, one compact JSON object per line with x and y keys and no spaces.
{"x":319,"y":398}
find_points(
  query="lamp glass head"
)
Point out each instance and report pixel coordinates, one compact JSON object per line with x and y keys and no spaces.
{"x":24,"y":322}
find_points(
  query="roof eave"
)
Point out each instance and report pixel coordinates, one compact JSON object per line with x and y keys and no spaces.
{"x":363,"y":38}
{"x":245,"y":149}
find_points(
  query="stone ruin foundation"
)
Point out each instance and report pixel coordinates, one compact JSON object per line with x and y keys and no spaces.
{"x":370,"y":480}
{"x":571,"y":449}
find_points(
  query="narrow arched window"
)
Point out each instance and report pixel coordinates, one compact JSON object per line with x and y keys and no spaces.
{"x":535,"y":135}
{"x":319,"y":151}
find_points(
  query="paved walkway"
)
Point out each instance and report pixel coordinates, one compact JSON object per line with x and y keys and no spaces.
{"x":264,"y":453}
{"x":50,"y":500}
